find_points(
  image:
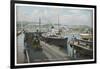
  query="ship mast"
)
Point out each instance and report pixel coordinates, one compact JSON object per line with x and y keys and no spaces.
{"x":39,"y":24}
{"x":58,"y":26}
{"x":58,"y":23}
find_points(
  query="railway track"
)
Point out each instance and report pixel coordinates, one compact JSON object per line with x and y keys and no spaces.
{"x":53,"y":53}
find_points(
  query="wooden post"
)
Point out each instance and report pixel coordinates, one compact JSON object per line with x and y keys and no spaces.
{"x":73,"y":51}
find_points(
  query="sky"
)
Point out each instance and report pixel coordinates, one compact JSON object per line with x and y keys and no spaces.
{"x":67,"y":16}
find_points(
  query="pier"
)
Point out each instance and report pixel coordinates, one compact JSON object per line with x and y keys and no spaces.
{"x":81,"y":49}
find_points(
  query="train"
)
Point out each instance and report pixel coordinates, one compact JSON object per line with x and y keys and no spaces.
{"x":32,"y":40}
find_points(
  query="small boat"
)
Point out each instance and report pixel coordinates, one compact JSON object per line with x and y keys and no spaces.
{"x":86,"y":36}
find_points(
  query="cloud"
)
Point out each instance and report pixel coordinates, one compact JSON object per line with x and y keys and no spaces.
{"x":50,"y":15}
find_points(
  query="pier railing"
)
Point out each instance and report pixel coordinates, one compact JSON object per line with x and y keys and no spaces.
{"x":85,"y":43}
{"x":83,"y":48}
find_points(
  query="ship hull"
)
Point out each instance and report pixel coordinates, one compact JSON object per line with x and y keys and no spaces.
{"x":61,"y":42}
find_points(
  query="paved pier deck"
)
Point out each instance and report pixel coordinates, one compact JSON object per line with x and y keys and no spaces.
{"x":20,"y":49}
